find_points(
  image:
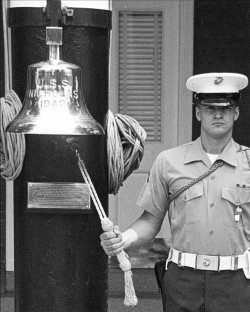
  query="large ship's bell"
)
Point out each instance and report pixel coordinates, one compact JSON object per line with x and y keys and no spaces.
{"x":54,"y":101}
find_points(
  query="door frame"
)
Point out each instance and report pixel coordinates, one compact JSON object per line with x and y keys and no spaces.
{"x":183,"y":40}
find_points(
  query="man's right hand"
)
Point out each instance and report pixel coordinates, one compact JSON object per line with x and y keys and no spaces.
{"x":112,"y":242}
{"x":143,"y":230}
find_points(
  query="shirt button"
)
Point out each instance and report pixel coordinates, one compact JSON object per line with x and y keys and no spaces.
{"x":213,"y":177}
{"x":212,"y":205}
{"x":211,"y":232}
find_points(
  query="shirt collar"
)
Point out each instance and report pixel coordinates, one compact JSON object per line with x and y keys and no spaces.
{"x":229,"y":153}
{"x":195,"y":152}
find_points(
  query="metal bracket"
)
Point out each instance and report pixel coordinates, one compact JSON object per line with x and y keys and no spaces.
{"x":53,"y":12}
{"x":67,"y":13}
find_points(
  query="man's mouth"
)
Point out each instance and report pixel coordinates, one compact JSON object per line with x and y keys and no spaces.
{"x":218,"y":124}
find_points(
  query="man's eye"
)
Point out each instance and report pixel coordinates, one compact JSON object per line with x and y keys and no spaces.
{"x":227,"y":108}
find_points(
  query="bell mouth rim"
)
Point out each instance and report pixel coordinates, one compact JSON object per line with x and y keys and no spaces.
{"x":83,"y":126}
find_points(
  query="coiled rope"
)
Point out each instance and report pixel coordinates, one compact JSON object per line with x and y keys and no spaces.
{"x":12,"y":145}
{"x":125,"y":148}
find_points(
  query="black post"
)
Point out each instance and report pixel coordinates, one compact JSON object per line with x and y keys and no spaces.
{"x":59,"y":264}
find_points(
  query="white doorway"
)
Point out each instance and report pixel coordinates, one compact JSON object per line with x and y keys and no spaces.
{"x":175,"y":101}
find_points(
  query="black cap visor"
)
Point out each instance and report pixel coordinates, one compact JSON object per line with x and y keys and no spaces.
{"x":217,"y":99}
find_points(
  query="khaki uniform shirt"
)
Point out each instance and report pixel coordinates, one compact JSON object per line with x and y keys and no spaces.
{"x":202,"y":219}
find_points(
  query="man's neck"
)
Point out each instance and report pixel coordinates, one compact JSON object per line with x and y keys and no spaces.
{"x":214,"y":145}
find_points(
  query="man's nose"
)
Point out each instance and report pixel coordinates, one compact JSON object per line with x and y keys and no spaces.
{"x":218,"y":113}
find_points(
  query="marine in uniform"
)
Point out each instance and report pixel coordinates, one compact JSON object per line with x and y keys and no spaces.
{"x":205,"y":187}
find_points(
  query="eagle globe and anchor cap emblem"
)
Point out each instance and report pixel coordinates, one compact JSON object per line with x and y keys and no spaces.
{"x":218,"y":80}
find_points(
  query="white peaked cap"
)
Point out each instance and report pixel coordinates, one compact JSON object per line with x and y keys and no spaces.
{"x":217,"y":83}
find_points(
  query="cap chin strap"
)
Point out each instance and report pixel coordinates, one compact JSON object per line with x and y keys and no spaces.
{"x":221,"y":102}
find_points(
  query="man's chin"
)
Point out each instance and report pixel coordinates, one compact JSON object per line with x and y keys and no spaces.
{"x":220,"y":134}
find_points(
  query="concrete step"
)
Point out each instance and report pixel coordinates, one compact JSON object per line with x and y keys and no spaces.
{"x":114,"y":305}
{"x":143,"y":279}
{"x":145,"y":285}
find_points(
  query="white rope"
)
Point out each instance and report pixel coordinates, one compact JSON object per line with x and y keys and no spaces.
{"x":93,"y":193}
{"x":125,"y":148}
{"x":130,"y":298}
{"x":107,"y":225}
{"x":12,"y":145}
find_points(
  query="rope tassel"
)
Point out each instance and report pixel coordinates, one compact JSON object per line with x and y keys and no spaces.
{"x":107,"y":225}
{"x":130,"y":296}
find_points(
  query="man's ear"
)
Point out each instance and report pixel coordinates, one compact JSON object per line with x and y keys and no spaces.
{"x":237,"y":113}
{"x":198,"y":113}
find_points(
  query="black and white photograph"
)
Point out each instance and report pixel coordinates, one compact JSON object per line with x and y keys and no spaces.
{"x":125,"y":155}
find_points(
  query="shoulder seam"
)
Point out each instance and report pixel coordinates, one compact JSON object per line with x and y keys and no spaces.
{"x":243,"y":148}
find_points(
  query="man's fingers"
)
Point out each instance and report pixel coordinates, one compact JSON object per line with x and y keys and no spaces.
{"x":111,"y":247}
{"x":112,"y":250}
{"x":112,"y":242}
{"x":108,"y":235}
{"x":116,"y":230}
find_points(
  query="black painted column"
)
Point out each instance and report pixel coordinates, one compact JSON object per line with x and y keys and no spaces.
{"x":59,"y":263}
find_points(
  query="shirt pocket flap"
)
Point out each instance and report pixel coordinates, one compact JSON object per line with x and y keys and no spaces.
{"x":236,"y":195}
{"x":193,"y":192}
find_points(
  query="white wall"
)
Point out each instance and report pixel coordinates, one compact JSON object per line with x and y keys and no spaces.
{"x":176,"y":123}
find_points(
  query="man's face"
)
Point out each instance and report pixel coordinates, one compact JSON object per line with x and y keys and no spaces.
{"x":217,"y":121}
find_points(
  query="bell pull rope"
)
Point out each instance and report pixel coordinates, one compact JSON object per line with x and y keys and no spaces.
{"x":107,"y":225}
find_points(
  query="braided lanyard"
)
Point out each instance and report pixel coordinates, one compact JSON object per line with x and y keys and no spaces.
{"x":214,"y":167}
{"x":247,"y":155}
{"x":248,"y":158}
